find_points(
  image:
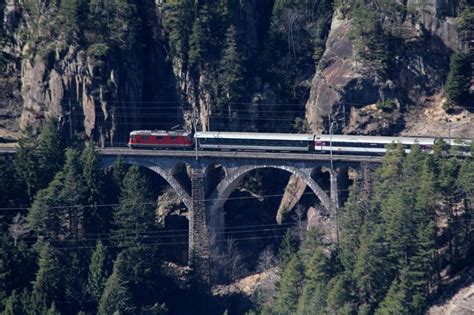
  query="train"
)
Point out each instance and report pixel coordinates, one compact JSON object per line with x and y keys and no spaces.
{"x":282,"y":142}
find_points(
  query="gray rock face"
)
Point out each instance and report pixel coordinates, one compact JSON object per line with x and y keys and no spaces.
{"x":340,"y":81}
{"x":346,"y":90}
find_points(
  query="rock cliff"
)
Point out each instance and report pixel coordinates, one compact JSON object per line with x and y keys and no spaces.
{"x":347,"y":90}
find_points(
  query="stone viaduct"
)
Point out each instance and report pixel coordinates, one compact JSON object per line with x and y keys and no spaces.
{"x":214,"y":175}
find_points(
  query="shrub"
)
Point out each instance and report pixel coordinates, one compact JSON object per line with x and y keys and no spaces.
{"x":388,"y":105}
{"x":97,"y":51}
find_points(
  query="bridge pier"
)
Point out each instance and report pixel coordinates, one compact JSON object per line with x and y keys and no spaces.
{"x":198,"y":228}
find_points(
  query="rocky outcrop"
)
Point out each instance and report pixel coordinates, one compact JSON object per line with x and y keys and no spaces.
{"x":340,"y":82}
{"x":345,"y":90}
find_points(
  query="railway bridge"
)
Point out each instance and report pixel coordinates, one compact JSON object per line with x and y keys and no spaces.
{"x":213,"y":175}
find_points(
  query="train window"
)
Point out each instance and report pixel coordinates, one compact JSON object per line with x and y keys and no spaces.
{"x":144,"y":138}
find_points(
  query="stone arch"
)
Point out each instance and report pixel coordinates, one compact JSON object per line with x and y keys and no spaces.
{"x":234,"y":177}
{"x":158,"y":169}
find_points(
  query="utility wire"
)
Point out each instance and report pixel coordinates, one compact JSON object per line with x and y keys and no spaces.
{"x":154,"y":203}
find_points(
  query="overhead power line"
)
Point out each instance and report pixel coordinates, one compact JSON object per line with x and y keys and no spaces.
{"x":154,"y":203}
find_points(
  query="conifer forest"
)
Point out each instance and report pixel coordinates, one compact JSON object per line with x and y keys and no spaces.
{"x":79,"y":76}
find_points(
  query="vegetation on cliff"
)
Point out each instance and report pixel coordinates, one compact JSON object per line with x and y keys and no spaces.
{"x":394,"y":242}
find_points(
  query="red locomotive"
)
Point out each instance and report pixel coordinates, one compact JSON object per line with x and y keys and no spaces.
{"x":160,"y":139}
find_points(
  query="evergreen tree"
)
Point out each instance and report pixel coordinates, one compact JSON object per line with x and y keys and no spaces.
{"x":134,"y":285}
{"x":75,"y":281}
{"x":318,"y":269}
{"x":48,"y":285}
{"x":37,"y":161}
{"x":396,"y":301}
{"x":49,"y":152}
{"x":355,"y":212}
{"x":57,"y":209}
{"x":11,"y":276}
{"x":287,"y":249}
{"x":314,"y":292}
{"x":13,"y":305}
{"x":93,"y":190}
{"x":72,"y":194}
{"x":12,"y":192}
{"x":135,"y":216}
{"x":119,"y":172}
{"x":25,"y":163}
{"x":466,"y":175}
{"x":200,"y":39}
{"x":339,"y":295}
{"x":116,"y":296}
{"x":71,"y":16}
{"x":44,"y":218}
{"x":372,"y":270}
{"x":178,"y":21}
{"x":312,"y":241}
{"x":232,"y":70}
{"x":286,"y":298}
{"x":124,"y":24}
{"x":98,"y":272}
{"x":459,"y":78}
{"x":97,"y":22}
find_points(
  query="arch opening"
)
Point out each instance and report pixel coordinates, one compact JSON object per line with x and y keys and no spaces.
{"x":214,"y":174}
{"x":249,"y":220}
{"x":322,"y":176}
{"x":181,"y":172}
{"x":172,"y":228}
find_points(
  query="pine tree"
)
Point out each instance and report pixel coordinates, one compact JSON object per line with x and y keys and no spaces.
{"x":71,"y":18}
{"x":11,"y":276}
{"x":314,"y":292}
{"x":287,"y":249}
{"x":93,"y":190}
{"x":48,"y":285}
{"x":318,"y":269}
{"x":119,"y":172}
{"x":396,"y":301}
{"x":116,"y":296}
{"x":372,"y":270}
{"x":124,"y":24}
{"x":13,"y":305}
{"x":286,"y":298}
{"x":339,"y":295}
{"x":72,"y":194}
{"x":459,"y":78}
{"x":466,"y":175}
{"x":98,"y":272}
{"x":312,"y":241}
{"x":178,"y":21}
{"x":25,"y":163}
{"x":135,"y":284}
{"x":50,"y":151}
{"x":37,"y":161}
{"x":354,"y":213}
{"x":389,"y":175}
{"x":231,"y":70}
{"x":422,"y":266}
{"x":135,"y":216}
{"x":43,"y":217}
{"x":200,"y":39}
{"x":12,"y":192}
